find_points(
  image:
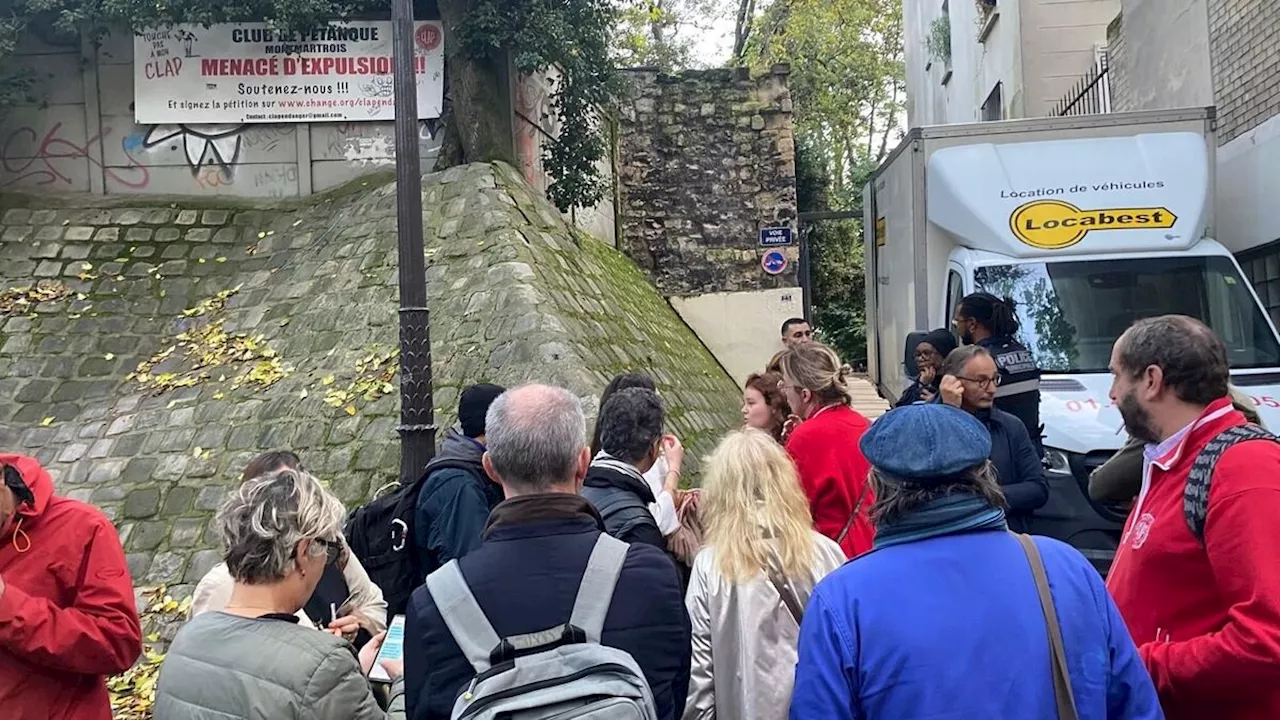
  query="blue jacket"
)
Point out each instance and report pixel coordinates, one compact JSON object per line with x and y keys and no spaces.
{"x":950,"y":628}
{"x":453,"y":504}
{"x":525,"y":577}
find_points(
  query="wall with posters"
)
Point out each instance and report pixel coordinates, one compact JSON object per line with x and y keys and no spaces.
{"x":82,"y":135}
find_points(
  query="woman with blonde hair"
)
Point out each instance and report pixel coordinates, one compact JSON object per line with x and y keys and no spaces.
{"x":751,"y":581}
{"x":824,"y":445}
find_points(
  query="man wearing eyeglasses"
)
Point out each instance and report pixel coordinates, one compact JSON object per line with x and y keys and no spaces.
{"x":970,"y":379}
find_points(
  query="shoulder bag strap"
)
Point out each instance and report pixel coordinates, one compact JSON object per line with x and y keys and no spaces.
{"x":462,"y":614}
{"x":595,"y":593}
{"x":866,"y":489}
{"x":779,"y":582}
{"x":1061,"y":675}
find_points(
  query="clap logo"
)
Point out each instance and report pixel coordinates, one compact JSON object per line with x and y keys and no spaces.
{"x":1055,"y":224}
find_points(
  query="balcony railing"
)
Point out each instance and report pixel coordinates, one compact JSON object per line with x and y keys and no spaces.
{"x":1091,"y":94}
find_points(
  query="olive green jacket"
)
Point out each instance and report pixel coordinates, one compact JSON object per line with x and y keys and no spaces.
{"x":1120,"y":478}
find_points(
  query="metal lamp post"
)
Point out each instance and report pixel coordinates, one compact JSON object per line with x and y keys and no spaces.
{"x":417,"y":415}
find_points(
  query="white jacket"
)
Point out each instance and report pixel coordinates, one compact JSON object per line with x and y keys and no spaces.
{"x":213,"y":592}
{"x":744,"y":639}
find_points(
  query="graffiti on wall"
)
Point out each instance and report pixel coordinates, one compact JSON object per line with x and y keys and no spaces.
{"x":45,"y":164}
{"x":210,"y":146}
{"x":536,"y":123}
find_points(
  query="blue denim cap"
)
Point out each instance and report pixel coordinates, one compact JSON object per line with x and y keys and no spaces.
{"x":926,"y":441}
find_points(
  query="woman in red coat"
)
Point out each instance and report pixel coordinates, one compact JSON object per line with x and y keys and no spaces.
{"x":67,"y":613}
{"x":824,"y":445}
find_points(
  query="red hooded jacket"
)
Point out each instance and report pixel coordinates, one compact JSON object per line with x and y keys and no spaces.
{"x":1206,"y":617}
{"x":67,"y":612}
{"x":834,"y":474}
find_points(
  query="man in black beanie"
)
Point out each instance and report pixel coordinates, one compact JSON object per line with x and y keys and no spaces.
{"x":457,"y":496}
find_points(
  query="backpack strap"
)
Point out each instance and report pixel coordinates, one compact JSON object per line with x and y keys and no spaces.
{"x":595,"y":594}
{"x":462,"y":614}
{"x":1195,"y":498}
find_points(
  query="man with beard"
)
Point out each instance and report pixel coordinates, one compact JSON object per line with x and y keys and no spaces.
{"x":1196,"y":576}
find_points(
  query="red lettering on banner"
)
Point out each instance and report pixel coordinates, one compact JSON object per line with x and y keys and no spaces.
{"x":247,"y":66}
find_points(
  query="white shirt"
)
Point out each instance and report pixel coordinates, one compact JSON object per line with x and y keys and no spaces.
{"x":664,"y":510}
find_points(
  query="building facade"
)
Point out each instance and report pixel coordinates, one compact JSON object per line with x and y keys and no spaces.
{"x":971,"y":60}
{"x":1183,"y":53}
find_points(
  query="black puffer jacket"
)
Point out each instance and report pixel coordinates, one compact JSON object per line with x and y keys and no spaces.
{"x":623,"y":500}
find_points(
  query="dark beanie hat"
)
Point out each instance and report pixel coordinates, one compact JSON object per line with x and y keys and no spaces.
{"x":473,"y":406}
{"x":942,"y":340}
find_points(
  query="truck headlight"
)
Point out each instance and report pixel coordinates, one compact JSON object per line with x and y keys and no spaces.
{"x":1056,"y":462}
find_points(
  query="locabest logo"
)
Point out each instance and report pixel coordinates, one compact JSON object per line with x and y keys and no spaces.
{"x":1056,"y":224}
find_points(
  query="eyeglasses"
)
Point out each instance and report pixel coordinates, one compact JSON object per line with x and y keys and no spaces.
{"x":333,"y":550}
{"x":992,"y":382}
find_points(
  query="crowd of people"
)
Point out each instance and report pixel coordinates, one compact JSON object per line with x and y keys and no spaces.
{"x":826,"y":567}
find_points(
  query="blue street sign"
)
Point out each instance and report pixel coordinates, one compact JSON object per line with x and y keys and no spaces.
{"x":774,"y":262}
{"x":775,"y":237}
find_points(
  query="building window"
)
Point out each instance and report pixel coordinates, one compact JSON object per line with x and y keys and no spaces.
{"x":1262,"y":268}
{"x":993,"y":108}
{"x":938,"y":41}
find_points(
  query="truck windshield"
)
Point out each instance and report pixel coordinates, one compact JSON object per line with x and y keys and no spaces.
{"x":1072,"y":312}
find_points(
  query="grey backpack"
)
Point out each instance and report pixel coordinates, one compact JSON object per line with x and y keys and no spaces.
{"x":562,"y":672}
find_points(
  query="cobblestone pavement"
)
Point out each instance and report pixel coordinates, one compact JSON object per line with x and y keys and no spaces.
{"x":264,"y":326}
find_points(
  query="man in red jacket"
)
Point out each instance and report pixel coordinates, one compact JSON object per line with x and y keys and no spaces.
{"x":1203,"y":607}
{"x":67,"y":613}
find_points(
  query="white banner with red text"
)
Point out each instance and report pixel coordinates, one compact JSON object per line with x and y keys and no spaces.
{"x":251,"y":73}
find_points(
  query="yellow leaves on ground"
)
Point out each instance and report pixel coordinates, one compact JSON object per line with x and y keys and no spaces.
{"x":19,"y":300}
{"x":210,"y":346}
{"x":213,"y":304}
{"x":133,"y":693}
{"x":374,"y":373}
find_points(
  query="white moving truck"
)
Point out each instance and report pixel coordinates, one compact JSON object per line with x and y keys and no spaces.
{"x":1088,"y":223}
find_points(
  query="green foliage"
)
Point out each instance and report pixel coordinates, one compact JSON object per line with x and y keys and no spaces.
{"x":835,"y":247}
{"x":938,"y":42}
{"x":573,"y":37}
{"x":661,"y":33}
{"x":848,"y":86}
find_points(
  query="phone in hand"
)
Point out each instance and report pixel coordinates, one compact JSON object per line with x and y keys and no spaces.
{"x":392,"y":649}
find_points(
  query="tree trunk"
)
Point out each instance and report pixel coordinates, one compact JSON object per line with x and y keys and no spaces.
{"x":742,"y":30}
{"x":479,"y":119}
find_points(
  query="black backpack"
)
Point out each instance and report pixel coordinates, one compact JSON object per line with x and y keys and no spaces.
{"x":381,"y":535}
{"x":1195,"y":498}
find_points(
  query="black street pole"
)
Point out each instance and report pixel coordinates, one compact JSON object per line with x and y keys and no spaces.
{"x":417,"y":414}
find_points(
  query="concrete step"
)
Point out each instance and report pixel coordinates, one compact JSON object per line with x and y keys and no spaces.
{"x":866,"y":400}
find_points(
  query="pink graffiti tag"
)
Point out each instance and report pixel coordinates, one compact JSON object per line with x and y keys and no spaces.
{"x":55,"y":147}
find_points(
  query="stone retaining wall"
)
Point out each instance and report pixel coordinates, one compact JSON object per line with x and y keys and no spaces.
{"x":149,"y":349}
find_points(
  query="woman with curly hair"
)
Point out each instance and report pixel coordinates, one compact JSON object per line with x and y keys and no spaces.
{"x":763,"y":405}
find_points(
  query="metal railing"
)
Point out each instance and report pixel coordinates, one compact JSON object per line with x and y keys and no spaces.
{"x":1092,"y":93}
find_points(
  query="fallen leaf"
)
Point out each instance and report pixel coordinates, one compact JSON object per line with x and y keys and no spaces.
{"x":221,"y":259}
{"x":303,"y":394}
{"x":201,"y":261}
{"x":328,"y":380}
{"x":46,"y":422}
{"x":351,"y":409}
{"x":196,"y":452}
{"x":261,"y":235}
{"x":217,"y":396}
{"x":109,"y":356}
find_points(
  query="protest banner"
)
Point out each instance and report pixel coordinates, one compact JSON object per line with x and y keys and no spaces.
{"x":252,"y":73}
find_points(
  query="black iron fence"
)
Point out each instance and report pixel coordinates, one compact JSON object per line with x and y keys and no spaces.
{"x":1091,"y":94}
